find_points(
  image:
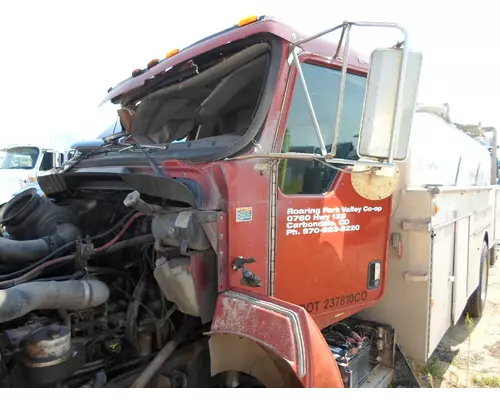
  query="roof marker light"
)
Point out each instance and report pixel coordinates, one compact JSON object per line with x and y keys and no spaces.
{"x":136,"y":72}
{"x":152,"y":63}
{"x":248,"y":20}
{"x":172,"y":53}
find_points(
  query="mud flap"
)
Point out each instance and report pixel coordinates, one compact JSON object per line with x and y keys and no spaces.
{"x":255,"y":334}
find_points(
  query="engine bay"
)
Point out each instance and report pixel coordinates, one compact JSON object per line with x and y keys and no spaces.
{"x":93,"y":286}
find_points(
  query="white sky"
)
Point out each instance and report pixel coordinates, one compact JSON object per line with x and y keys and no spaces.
{"x":58,"y":58}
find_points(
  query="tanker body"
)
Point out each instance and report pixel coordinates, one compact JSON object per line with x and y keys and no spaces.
{"x":442,"y":234}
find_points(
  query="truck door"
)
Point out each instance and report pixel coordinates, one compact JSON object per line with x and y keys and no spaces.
{"x":330,"y":243}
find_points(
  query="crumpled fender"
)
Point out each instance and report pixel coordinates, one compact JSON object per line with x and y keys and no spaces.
{"x":281,"y":333}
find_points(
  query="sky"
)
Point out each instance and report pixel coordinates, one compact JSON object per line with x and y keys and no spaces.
{"x":58,"y":58}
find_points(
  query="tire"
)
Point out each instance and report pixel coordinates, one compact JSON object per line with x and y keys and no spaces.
{"x":478,"y":299}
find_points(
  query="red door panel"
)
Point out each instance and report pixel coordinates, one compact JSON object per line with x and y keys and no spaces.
{"x":325,"y":245}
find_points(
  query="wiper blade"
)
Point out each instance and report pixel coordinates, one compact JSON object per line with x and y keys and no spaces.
{"x":158,"y":171}
{"x":143,"y":146}
{"x":85,"y":156}
{"x":114,"y":137}
{"x":112,"y":140}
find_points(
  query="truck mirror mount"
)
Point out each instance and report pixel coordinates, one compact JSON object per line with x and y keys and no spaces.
{"x":390,"y":98}
{"x":390,"y":101}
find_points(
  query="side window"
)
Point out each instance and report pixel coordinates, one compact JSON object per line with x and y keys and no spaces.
{"x":47,"y":161}
{"x":312,"y":177}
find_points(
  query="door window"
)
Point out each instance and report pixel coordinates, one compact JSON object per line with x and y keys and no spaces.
{"x":47,"y":161}
{"x":312,"y":177}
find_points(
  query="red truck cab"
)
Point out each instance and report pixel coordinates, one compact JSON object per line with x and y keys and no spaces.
{"x":270,"y":220}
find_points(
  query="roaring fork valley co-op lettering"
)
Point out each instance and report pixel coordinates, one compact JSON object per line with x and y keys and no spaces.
{"x":310,"y":221}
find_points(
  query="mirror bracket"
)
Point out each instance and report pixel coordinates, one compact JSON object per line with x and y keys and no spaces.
{"x":345,"y":41}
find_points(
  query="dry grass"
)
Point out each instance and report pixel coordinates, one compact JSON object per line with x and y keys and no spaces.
{"x":487,"y":381}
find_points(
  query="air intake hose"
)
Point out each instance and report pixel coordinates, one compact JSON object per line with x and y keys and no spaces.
{"x":68,"y":295}
{"x":36,"y":227}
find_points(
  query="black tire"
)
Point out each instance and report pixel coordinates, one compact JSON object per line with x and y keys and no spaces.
{"x":478,"y":299}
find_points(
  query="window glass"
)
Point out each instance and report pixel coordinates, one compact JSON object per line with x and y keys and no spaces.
{"x":311,"y":177}
{"x":47,"y":161}
{"x":18,"y":158}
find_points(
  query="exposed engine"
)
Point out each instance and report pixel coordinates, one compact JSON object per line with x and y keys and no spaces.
{"x":99,"y":290}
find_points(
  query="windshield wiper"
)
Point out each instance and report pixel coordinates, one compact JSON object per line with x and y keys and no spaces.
{"x":86,"y":155}
{"x":112,"y":140}
{"x":145,"y":148}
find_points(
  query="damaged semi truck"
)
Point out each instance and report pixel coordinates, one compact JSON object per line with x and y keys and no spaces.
{"x":265,"y":219}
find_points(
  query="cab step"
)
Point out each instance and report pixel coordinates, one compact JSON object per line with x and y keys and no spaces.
{"x":379,"y":377}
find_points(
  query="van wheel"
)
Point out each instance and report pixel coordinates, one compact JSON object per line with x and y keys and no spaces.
{"x":478,"y":299}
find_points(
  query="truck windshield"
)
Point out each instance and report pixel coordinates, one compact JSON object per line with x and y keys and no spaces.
{"x":19,"y":157}
{"x":215,"y":103}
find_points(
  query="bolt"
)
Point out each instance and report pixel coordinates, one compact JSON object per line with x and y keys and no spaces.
{"x":171,"y":231}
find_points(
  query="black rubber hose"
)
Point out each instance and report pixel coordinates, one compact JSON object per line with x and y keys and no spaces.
{"x":17,"y":252}
{"x":69,"y":246}
{"x":36,"y":227}
{"x":70,"y":295}
{"x":25,"y":251}
{"x":40,"y":268}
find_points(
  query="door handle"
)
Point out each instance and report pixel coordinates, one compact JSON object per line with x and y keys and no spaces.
{"x":374,"y":274}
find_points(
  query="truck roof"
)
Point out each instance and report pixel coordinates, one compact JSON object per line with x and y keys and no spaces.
{"x":41,"y":148}
{"x":261,"y":24}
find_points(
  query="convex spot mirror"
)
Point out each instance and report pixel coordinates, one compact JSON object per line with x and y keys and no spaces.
{"x":381,"y":99}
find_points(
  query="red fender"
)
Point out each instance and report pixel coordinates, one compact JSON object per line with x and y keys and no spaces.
{"x":285,"y":329}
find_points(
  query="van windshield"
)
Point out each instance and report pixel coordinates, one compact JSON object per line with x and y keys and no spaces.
{"x":19,"y":157}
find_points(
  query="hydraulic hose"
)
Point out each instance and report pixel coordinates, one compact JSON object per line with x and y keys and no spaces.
{"x":70,"y":295}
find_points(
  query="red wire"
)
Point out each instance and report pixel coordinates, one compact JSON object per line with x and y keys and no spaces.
{"x":23,"y":278}
{"x":121,"y":233}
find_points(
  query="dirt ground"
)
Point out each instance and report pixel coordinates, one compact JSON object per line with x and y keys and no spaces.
{"x":469,"y":354}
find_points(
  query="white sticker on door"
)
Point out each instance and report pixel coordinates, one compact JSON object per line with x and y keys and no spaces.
{"x":313,"y":221}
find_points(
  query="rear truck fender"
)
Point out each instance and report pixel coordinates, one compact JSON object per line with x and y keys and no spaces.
{"x":276,"y":342}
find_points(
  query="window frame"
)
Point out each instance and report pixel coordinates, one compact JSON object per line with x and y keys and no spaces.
{"x":292,"y":80}
{"x":46,"y":152}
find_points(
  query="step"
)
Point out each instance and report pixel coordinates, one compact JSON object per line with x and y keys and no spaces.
{"x":380,"y":377}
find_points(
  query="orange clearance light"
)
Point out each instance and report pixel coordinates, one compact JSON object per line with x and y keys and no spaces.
{"x":172,"y":53}
{"x":435,"y":209}
{"x":248,"y":20}
{"x":153,"y":62}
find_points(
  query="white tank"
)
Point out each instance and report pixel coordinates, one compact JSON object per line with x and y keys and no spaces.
{"x":442,"y":154}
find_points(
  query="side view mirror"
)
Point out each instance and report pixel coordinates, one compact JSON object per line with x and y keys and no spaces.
{"x":387,"y":115}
